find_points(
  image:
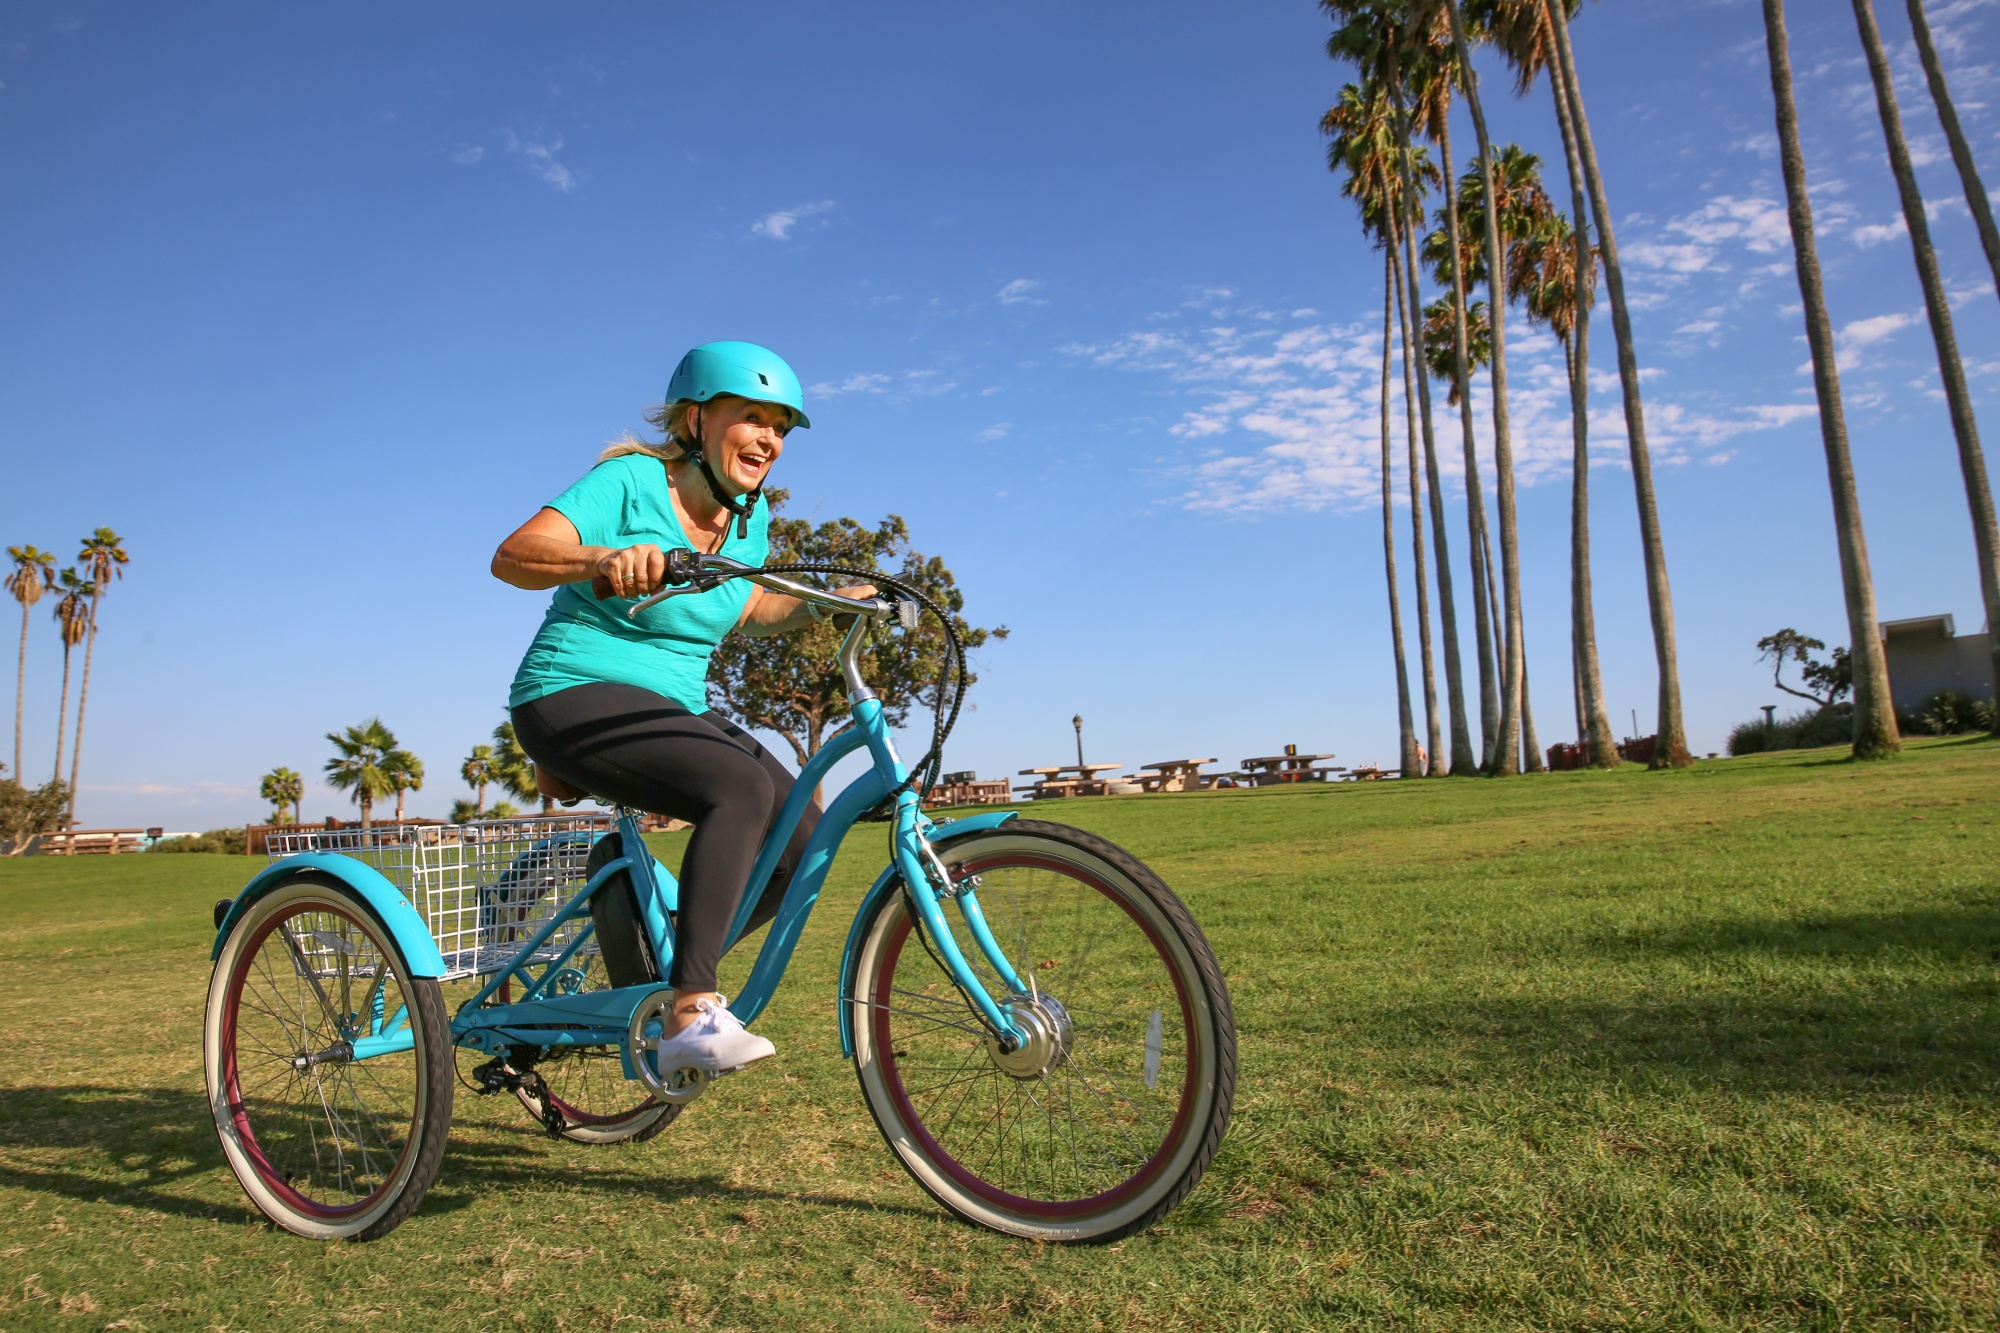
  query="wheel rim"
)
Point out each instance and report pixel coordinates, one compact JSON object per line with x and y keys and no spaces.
{"x":331,"y":1139}
{"x":1070,"y":1126}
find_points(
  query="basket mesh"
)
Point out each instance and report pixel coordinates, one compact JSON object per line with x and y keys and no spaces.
{"x":483,"y":888}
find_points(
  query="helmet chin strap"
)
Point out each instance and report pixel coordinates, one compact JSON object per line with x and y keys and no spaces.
{"x":743,"y":507}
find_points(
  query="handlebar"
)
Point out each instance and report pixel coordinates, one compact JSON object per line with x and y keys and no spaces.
{"x":689,"y":572}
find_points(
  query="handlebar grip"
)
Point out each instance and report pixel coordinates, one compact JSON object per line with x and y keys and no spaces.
{"x":600,"y":587}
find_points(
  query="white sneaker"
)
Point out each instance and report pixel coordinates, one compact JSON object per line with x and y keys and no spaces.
{"x":715,"y":1043}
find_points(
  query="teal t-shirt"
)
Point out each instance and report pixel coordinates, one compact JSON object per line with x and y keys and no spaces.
{"x":624,"y":502}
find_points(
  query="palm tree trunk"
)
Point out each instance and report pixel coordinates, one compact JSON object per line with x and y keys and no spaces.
{"x":1951,"y":370}
{"x":1531,"y":744}
{"x":1961,"y":152}
{"x":21,"y":696}
{"x":298,"y":814}
{"x":479,"y":799}
{"x":1406,"y":727}
{"x":1432,"y":732}
{"x":1874,"y":713}
{"x":1461,"y":759}
{"x":1671,"y":749}
{"x":1593,"y":723}
{"x":82,"y":702}
{"x":1475,"y":492}
{"x":367,"y":810}
{"x":62,"y":712}
{"x":399,"y":805}
{"x":1506,"y":754}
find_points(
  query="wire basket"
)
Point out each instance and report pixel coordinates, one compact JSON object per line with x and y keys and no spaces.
{"x":483,"y":888}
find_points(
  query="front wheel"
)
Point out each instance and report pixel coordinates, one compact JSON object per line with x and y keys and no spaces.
{"x":329,"y":1065}
{"x":1107,"y":1116}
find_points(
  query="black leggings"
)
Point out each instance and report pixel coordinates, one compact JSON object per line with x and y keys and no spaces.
{"x":640,"y":749}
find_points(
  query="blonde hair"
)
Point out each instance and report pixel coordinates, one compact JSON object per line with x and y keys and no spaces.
{"x":670,"y":419}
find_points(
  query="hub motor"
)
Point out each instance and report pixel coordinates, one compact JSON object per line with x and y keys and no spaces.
{"x":1046,"y":1043}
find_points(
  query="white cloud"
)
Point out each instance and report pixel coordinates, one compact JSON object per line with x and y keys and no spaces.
{"x":1692,"y":326}
{"x":778,"y":226}
{"x":1020,"y":292}
{"x":467,"y":155}
{"x":861,"y":383}
{"x":1850,"y":338}
{"x":999,"y":430}
{"x":538,"y":154}
{"x":1290,"y":417}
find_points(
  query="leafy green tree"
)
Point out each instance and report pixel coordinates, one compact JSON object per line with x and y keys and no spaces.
{"x":27,"y":811}
{"x":478,"y":773}
{"x":363,"y":764}
{"x":282,"y":787}
{"x":103,"y":558}
{"x":1826,"y":683}
{"x":33,"y":575}
{"x":513,"y":770}
{"x":786,"y":683}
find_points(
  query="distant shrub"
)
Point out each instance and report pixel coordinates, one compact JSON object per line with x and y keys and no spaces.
{"x":26,"y":811}
{"x":1948,"y":713}
{"x":228,"y":841}
{"x":1801,"y":731}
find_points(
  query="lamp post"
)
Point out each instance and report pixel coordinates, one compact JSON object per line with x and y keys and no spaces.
{"x":1077,"y":722}
{"x":1770,"y":714}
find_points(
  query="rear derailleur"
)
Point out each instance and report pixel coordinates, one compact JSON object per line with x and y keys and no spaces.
{"x":498,"y":1075}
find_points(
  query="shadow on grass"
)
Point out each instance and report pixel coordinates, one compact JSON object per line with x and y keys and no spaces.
{"x":152,"y":1148}
{"x":1967,"y":934}
{"x":1834,"y":1005}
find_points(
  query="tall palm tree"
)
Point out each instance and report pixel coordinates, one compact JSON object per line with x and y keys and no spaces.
{"x":1951,"y":370}
{"x":1671,"y":750}
{"x":1506,"y":752}
{"x":513,"y":769}
{"x":1373,"y":38}
{"x":406,"y":774}
{"x":282,"y":787}
{"x":33,"y":575}
{"x":1434,"y":749}
{"x":1874,"y":713}
{"x":72,"y":624}
{"x":1954,"y":134}
{"x":1362,"y":145}
{"x":104,"y":558}
{"x":1420,"y":78}
{"x":361,"y":765}
{"x":478,"y":772}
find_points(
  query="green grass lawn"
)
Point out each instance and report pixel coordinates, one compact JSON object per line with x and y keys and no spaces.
{"x":1709,"y":1049}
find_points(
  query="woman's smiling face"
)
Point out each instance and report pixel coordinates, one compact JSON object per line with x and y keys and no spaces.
{"x":744,"y":438}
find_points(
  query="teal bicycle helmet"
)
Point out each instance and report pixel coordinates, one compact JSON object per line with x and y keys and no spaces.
{"x":743,"y":369}
{"x":746,"y":371}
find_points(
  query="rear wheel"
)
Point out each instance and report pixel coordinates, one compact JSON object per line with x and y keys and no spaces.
{"x":1107,"y":1116}
{"x":329,"y":1066}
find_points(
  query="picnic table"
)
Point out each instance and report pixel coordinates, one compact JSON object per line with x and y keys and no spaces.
{"x":1366,"y":773}
{"x":1268,"y":770}
{"x":1050,"y":782}
{"x":1176,"y":775}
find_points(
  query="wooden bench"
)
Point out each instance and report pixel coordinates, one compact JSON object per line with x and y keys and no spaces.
{"x":96,"y":841}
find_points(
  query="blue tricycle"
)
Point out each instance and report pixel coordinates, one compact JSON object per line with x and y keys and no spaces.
{"x":1040,"y":1029}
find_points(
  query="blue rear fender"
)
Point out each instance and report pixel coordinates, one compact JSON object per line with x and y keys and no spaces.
{"x":420,"y":951}
{"x":885,"y":884}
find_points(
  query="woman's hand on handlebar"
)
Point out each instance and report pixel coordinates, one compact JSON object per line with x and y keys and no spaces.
{"x":631,"y":571}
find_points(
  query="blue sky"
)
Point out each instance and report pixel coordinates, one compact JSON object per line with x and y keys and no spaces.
{"x":313,"y":304}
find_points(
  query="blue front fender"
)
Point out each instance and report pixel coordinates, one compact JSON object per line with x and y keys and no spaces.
{"x":943,"y":833}
{"x":420,"y":951}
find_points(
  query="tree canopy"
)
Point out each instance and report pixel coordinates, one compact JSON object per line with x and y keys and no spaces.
{"x":787,"y":683}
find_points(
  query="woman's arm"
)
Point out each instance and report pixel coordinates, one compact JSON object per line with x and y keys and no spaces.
{"x":768,"y":613}
{"x":545,"y":552}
